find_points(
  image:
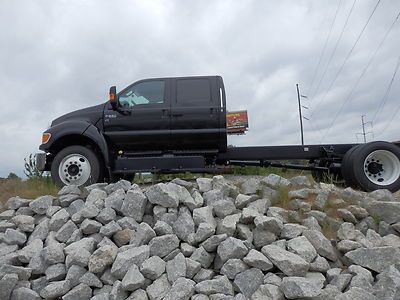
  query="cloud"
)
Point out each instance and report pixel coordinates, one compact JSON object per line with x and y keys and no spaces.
{"x":59,"y":56}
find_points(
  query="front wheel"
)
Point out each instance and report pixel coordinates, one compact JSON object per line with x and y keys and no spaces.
{"x":75,"y":165}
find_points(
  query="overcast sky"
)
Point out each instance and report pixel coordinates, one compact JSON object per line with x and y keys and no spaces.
{"x":58,"y":56}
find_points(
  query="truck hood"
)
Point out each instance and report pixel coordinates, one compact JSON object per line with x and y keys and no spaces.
{"x":90,"y":114}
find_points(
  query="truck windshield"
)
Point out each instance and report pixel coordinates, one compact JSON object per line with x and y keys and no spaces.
{"x":148,"y":92}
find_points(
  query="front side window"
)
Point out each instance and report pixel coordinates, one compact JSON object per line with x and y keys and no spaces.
{"x":148,"y":92}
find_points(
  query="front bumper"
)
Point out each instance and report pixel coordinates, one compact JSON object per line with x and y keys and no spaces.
{"x":41,"y":161}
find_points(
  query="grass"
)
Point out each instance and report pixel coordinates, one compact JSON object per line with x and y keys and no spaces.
{"x":29,"y":189}
{"x":281,"y":198}
{"x":264,"y":171}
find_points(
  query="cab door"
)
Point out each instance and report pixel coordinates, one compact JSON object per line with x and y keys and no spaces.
{"x":195,"y":113}
{"x":143,"y":123}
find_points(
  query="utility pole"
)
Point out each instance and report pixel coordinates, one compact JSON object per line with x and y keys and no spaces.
{"x":364,"y":134}
{"x":363,"y":127}
{"x":301,"y":118}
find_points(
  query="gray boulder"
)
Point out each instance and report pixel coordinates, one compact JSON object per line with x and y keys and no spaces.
{"x":289,"y":263}
{"x":102,"y":258}
{"x":125,"y":259}
{"x":41,"y":204}
{"x":258,"y":260}
{"x":377,"y":259}
{"x":7,"y":284}
{"x":232,"y":248}
{"x":55,"y":289}
{"x":385,"y":211}
{"x":176,"y":268}
{"x":167,"y":195}
{"x":153,"y":267}
{"x":134,"y":205}
{"x":300,"y":287}
{"x":163,"y":245}
{"x":321,"y":244}
{"x":220,"y":285}
{"x":133,"y":279}
{"x":249,"y":281}
{"x":182,"y":289}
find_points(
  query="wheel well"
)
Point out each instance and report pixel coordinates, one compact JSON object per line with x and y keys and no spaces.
{"x":76,"y":140}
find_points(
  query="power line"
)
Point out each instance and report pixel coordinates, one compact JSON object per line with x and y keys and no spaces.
{"x":333,"y":53}
{"x":345,"y":61}
{"x":386,"y":95}
{"x":350,"y":52}
{"x":324,"y":48}
{"x":391,"y":120}
{"x":348,"y":98}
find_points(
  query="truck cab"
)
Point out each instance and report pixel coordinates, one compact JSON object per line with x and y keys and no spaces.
{"x":152,"y":124}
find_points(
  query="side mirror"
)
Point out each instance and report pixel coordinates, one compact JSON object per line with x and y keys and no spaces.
{"x":113,"y":97}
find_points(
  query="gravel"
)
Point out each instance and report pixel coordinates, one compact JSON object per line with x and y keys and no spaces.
{"x":212,"y":238}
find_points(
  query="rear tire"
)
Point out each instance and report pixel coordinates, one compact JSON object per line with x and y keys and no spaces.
{"x":376,"y":165}
{"x":76,"y":165}
{"x":347,"y":167}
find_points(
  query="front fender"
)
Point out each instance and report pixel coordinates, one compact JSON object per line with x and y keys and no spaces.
{"x":75,"y":127}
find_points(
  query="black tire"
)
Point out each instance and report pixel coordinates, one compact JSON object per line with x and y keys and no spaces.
{"x":347,"y":167}
{"x":361,"y":166}
{"x":91,"y":157}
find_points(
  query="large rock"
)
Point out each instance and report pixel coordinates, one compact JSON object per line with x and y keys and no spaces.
{"x":220,"y":285}
{"x":163,"y":245}
{"x":385,"y":211}
{"x":184,"y":225}
{"x":159,"y":288}
{"x":289,"y":263}
{"x":167,"y":195}
{"x":55,"y":289}
{"x":134,"y":205}
{"x":153,"y":267}
{"x":232,"y":248}
{"x":176,"y":268}
{"x":321,"y":244}
{"x":7,"y":284}
{"x":302,"y":247}
{"x":233,"y":267}
{"x":258,"y":260}
{"x":182,"y":289}
{"x":41,"y":204}
{"x":133,"y":279}
{"x":125,"y":259}
{"x":249,"y":281}
{"x":300,"y":287}
{"x":377,"y":259}
{"x":102,"y":258}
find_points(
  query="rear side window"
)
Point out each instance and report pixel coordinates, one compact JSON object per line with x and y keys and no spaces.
{"x":193,"y":91}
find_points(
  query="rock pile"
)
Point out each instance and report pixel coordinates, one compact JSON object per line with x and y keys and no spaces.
{"x":265,"y":238}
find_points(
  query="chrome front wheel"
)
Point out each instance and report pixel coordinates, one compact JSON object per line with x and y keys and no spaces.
{"x":74,"y":169}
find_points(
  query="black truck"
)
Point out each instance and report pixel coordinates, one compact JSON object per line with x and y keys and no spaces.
{"x":178,"y":124}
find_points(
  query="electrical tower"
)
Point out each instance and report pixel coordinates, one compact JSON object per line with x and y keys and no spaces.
{"x":300,"y":112}
{"x":363,"y":133}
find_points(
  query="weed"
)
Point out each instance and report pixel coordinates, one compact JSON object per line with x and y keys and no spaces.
{"x":281,"y":197}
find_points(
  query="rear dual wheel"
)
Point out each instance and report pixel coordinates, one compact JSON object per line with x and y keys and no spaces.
{"x":373,"y":166}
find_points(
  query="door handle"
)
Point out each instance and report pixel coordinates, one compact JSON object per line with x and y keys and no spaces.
{"x":165,"y":114}
{"x":177,"y":115}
